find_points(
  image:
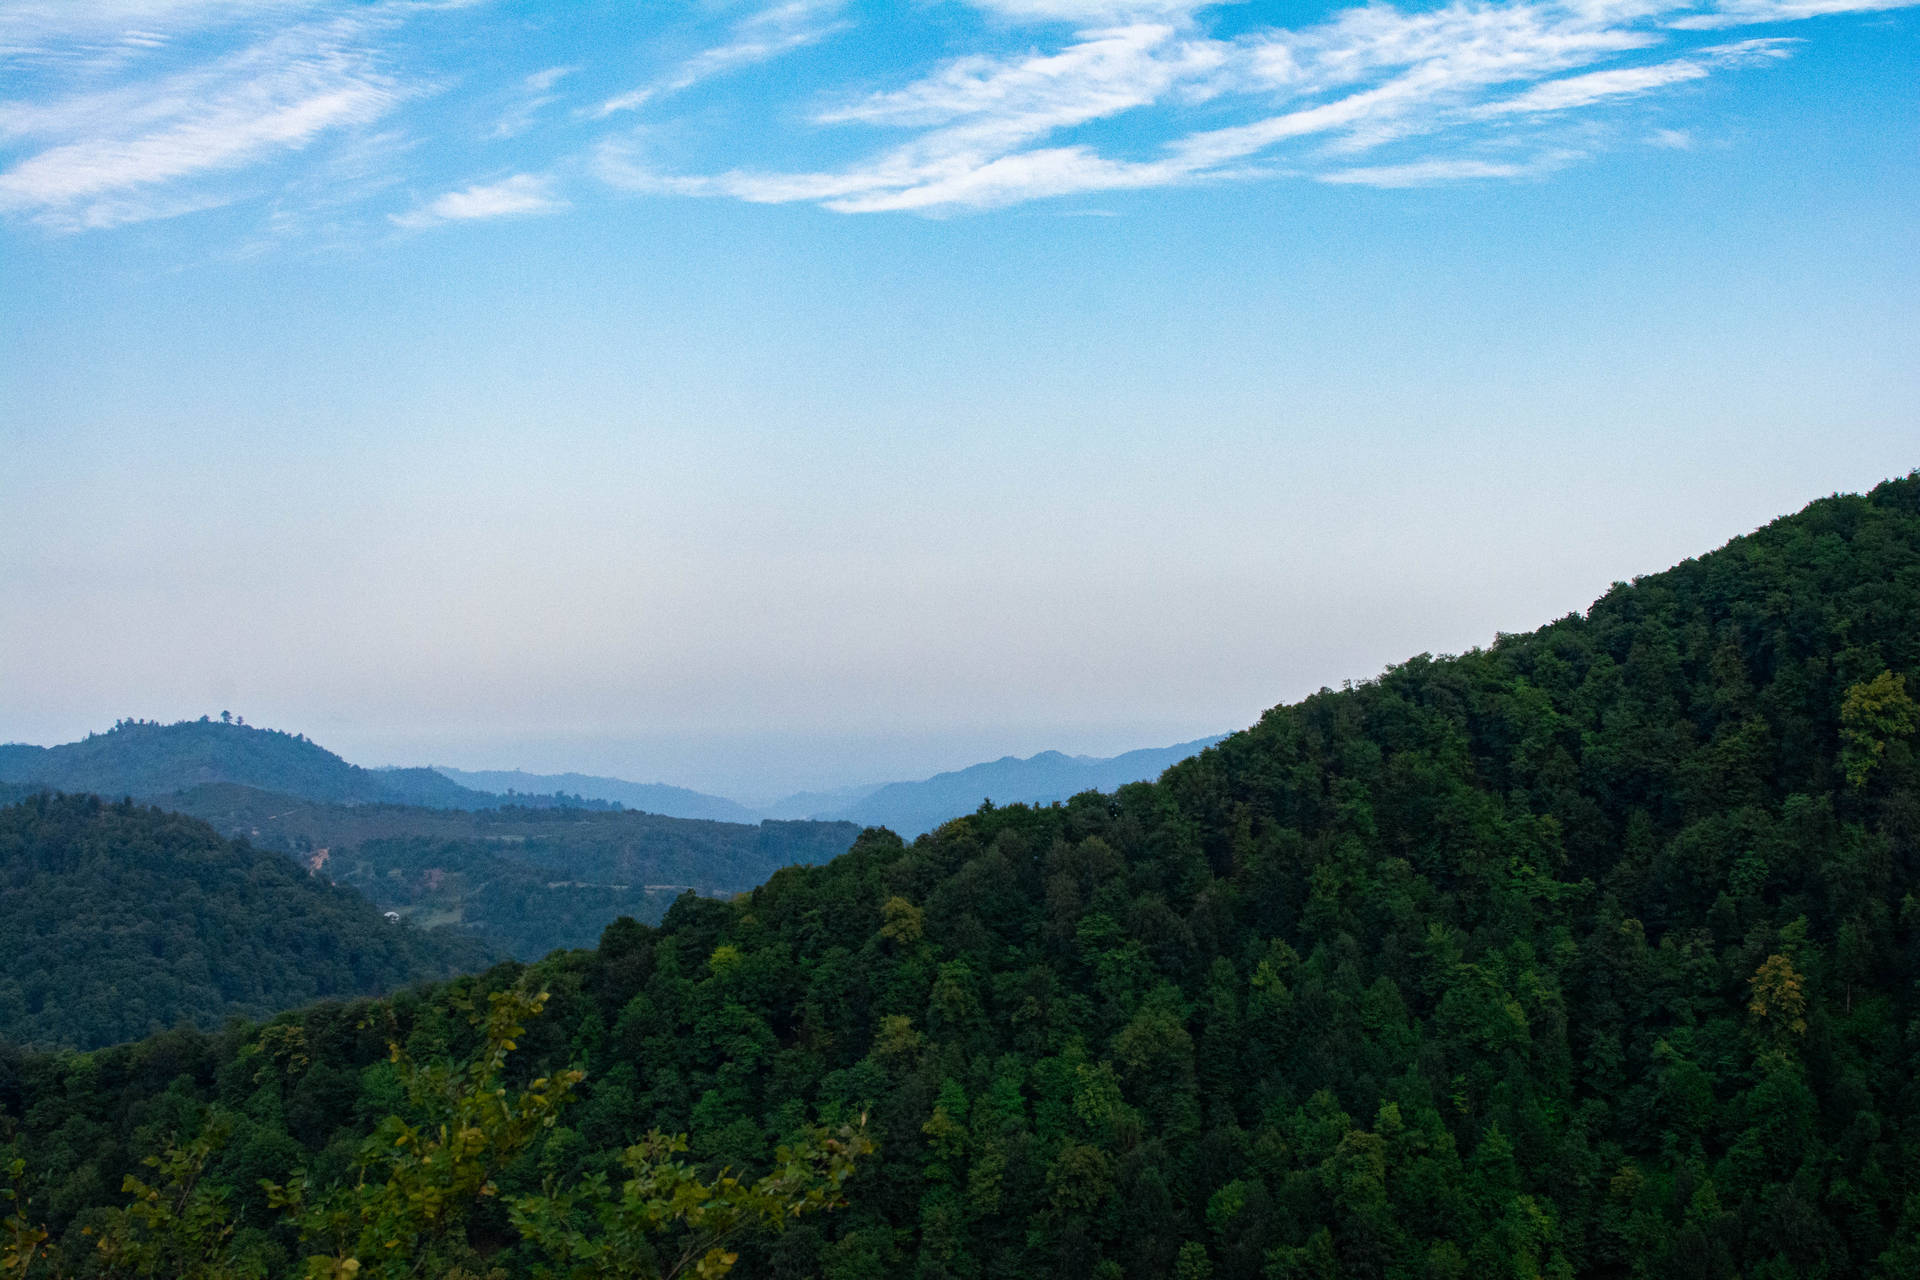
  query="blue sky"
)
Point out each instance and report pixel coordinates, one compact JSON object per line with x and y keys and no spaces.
{"x":310,"y":118}
{"x":760,"y":396}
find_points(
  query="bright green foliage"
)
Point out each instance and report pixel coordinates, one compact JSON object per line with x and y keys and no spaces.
{"x":416,"y":1185}
{"x":21,"y":1243}
{"x":179,"y":1227}
{"x":1874,"y":712}
{"x":1779,"y":999}
{"x":665,"y":1220}
{"x":417,"y":1182}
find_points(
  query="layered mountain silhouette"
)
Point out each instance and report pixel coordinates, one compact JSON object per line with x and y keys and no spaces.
{"x":908,"y":808}
{"x":151,"y":761}
{"x":524,"y":873}
{"x":911,"y":808}
{"x":648,"y":797}
{"x":144,"y":759}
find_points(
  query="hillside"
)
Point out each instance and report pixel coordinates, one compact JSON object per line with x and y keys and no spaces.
{"x":1592,"y":953}
{"x":117,"y":922}
{"x":911,"y":808}
{"x":526,"y":880}
{"x":647,"y":797}
{"x":147,"y":760}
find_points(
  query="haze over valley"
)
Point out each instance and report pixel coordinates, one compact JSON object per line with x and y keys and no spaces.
{"x":521,"y":871}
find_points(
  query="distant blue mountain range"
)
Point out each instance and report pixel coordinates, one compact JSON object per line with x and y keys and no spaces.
{"x":649,"y":797}
{"x":908,"y":808}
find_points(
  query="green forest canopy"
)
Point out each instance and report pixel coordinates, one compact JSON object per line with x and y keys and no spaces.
{"x":527,"y":880}
{"x":118,"y":921}
{"x":1590,"y":953}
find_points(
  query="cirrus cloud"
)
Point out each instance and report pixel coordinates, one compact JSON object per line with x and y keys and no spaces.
{"x":1476,"y":89}
{"x":134,"y":110}
{"x":523,"y":193}
{"x":156,"y":147}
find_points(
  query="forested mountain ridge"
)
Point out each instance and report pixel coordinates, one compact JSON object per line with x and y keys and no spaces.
{"x":148,"y":760}
{"x":1590,"y":953}
{"x":526,"y":880}
{"x":117,"y":921}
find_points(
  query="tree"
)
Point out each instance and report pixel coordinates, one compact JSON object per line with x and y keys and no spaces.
{"x":179,"y":1227}
{"x":419,"y":1181}
{"x":1779,"y":999}
{"x":21,"y":1243}
{"x":664,"y":1220}
{"x":1873,"y":713}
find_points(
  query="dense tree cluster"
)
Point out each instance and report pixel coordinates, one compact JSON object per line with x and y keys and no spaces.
{"x":526,"y":899}
{"x":117,"y":921}
{"x":424,"y":1195}
{"x":527,"y":873}
{"x":526,"y":879}
{"x":1592,"y":953}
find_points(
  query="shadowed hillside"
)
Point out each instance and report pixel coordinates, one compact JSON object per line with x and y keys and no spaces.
{"x":528,"y":880}
{"x":118,"y":921}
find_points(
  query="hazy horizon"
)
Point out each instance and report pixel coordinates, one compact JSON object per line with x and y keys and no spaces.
{"x":756,"y":397}
{"x":731,"y":756}
{"x":921,"y":757}
{"x":759,"y":766}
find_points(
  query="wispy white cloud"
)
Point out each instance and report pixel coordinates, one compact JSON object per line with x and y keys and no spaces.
{"x":124,"y":154}
{"x":1099,"y":75}
{"x":1093,"y":12}
{"x":1424,"y":173}
{"x":1742,"y":13}
{"x":541,"y":81}
{"x":1482,"y":83}
{"x":523,"y":193}
{"x":125,"y":110}
{"x":761,"y":37}
{"x":537,"y":97}
{"x":44,"y":22}
{"x":105,"y":32}
{"x":1571,"y":92}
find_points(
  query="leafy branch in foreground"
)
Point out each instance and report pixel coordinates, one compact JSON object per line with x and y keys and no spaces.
{"x":179,"y":1227}
{"x":418,"y":1183}
{"x":663,"y":1221}
{"x":21,"y":1243}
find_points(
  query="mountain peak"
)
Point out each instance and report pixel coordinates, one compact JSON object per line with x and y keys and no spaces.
{"x":146,"y":758}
